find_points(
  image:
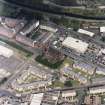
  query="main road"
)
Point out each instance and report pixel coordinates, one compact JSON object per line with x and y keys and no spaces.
{"x":47,"y":10}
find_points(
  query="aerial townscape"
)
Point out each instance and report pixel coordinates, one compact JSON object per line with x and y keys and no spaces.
{"x":52,"y":52}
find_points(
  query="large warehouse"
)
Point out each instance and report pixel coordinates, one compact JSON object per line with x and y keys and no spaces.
{"x":4,"y":51}
{"x":75,"y":44}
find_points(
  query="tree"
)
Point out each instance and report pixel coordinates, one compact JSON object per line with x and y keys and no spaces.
{"x":68,"y":83}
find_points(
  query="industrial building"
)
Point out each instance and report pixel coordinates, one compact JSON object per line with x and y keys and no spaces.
{"x":10,"y":27}
{"x":97,"y":90}
{"x":75,"y":44}
{"x":49,"y":26}
{"x":70,"y":93}
{"x":6,"y":52}
{"x":85,"y":32}
{"x":102,"y":29}
{"x":50,"y":98}
{"x":36,"y":99}
{"x":29,"y":27}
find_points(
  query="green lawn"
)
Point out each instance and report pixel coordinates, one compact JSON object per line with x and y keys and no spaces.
{"x":58,"y":84}
{"x":68,"y":61}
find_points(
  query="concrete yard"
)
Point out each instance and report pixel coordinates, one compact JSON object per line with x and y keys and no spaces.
{"x":10,"y":64}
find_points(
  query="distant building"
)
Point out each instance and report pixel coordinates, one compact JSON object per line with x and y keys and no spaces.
{"x":101,"y":7}
{"x":82,"y":2}
{"x":44,"y":81}
{"x":85,"y":32}
{"x":92,"y":100}
{"x":70,"y":73}
{"x":48,"y":28}
{"x":87,"y":68}
{"x":102,"y":29}
{"x":100,"y":70}
{"x":12,"y":22}
{"x":30,"y":27}
{"x":36,"y":99}
{"x":75,"y":44}
{"x":70,"y":93}
{"x":50,"y":98}
{"x":98,"y":80}
{"x":97,"y":90}
{"x":10,"y":27}
{"x":6,"y":52}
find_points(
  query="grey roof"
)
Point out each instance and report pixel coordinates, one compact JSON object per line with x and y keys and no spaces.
{"x":98,"y":80}
{"x":86,"y":66}
{"x":100,"y":69}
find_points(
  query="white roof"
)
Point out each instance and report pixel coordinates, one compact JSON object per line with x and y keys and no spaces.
{"x":101,"y":7}
{"x":37,"y":98}
{"x":69,"y":93}
{"x":82,"y":31}
{"x":97,"y":90}
{"x":48,"y":28}
{"x":102,"y":29}
{"x":4,"y":51}
{"x":102,"y":51}
{"x":75,"y":44}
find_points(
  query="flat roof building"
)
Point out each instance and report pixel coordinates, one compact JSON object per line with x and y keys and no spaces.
{"x":30,"y":27}
{"x":37,"y":99}
{"x":48,"y":28}
{"x":97,"y":90}
{"x":85,"y":32}
{"x":6,"y":52}
{"x":75,"y":44}
{"x":102,"y":29}
{"x":70,"y":93}
{"x":98,"y":80}
{"x":100,"y":70}
{"x":70,"y":73}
